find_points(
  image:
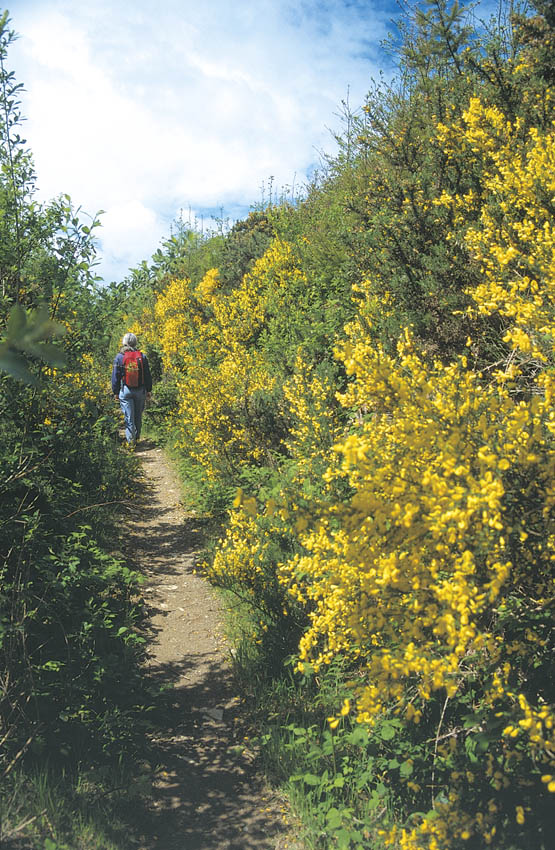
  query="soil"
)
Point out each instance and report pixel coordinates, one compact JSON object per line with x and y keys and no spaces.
{"x":208,"y":792}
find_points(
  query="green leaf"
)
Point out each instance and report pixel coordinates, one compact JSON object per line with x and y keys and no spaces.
{"x":483,"y":740}
{"x":406,"y":768}
{"x":387,"y":732}
{"x":16,"y":323}
{"x":343,"y":838}
{"x":38,"y":327}
{"x":51,"y":354}
{"x":311,"y":779}
{"x":471,"y":720}
{"x":333,"y":817}
{"x":16,"y":366}
{"x":358,"y":737}
{"x":52,"y":665}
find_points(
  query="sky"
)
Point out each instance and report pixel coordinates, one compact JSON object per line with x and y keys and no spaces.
{"x":146,"y":108}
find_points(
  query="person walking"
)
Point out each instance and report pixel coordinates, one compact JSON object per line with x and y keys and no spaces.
{"x":131,"y":386}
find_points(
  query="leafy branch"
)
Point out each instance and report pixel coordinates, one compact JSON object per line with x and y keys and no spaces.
{"x":26,"y":338}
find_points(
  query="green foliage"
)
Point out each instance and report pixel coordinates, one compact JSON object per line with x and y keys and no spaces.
{"x":26,"y":335}
{"x":208,"y":497}
{"x":70,"y":612}
{"x":246,"y":241}
{"x":537,"y":35}
{"x":73,"y":808}
{"x":335,"y":778}
{"x":159,"y":411}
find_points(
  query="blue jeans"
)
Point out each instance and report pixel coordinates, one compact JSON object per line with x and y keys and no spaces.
{"x":132,"y":403}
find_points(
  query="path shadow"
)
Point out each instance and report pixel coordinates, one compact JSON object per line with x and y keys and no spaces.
{"x":207,"y":791}
{"x":207,"y":794}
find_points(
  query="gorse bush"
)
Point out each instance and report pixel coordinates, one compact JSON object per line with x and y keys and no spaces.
{"x":224,"y":349}
{"x":375,"y":372}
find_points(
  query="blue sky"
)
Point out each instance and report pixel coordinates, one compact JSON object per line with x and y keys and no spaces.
{"x":144,"y":108}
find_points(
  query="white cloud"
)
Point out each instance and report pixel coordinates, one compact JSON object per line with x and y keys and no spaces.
{"x":140,"y":111}
{"x":126,"y":228}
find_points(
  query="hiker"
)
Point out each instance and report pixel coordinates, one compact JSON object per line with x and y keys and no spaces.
{"x":131,"y":385}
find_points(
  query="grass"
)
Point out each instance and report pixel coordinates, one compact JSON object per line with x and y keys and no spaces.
{"x":329,"y":776}
{"x":46,"y":807}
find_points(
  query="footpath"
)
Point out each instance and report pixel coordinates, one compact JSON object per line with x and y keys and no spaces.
{"x":207,"y":793}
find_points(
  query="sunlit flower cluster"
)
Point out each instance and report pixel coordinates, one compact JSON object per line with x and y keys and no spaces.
{"x":206,"y":337}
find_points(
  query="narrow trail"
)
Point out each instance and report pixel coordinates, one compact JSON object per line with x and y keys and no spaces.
{"x":207,"y":794}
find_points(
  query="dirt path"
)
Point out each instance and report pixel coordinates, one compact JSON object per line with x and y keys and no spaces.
{"x":207,"y":794}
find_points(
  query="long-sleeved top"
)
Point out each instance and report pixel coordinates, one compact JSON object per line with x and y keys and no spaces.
{"x":117,"y":373}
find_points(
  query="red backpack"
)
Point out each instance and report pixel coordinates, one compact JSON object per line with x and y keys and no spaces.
{"x":133,"y":369}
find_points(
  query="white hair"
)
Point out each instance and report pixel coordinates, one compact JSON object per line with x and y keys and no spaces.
{"x":129,"y":340}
